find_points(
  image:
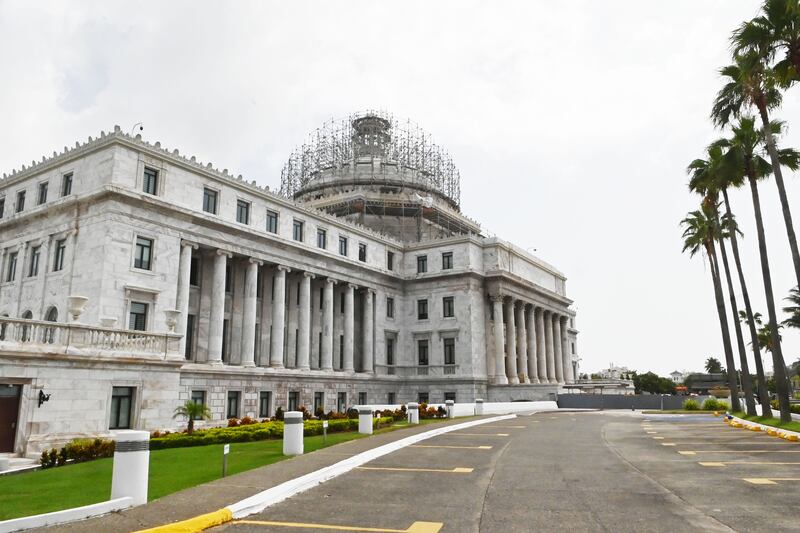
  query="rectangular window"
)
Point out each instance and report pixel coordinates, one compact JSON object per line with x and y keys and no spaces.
{"x":573,"y":348}
{"x":362,"y":252}
{"x":389,"y":307}
{"x":422,"y":397}
{"x":210,"y":201}
{"x":194,"y":272}
{"x":362,"y":398}
{"x":242,"y":212}
{"x":190,"y":324}
{"x":2,"y":206}
{"x":449,"y":351}
{"x":389,"y":350}
{"x":272,"y":221}
{"x":121,"y":407}
{"x":297,"y":230}
{"x":341,"y":401}
{"x":226,"y":332}
{"x":264,"y":404}
{"x":389,"y":260}
{"x":228,"y":279}
{"x":33,"y":267}
{"x":294,"y":400}
{"x":422,"y":309}
{"x":391,"y":398}
{"x":448,"y":307}
{"x":42,"y":197}
{"x":138,"y":316}
{"x":233,"y":404}
{"x":150,"y":184}
{"x":319,"y":402}
{"x":422,"y":264}
{"x":343,"y":246}
{"x":447,"y":260}
{"x":58,"y":256}
{"x":66,"y":184}
{"x":199,"y":397}
{"x":341,"y":352}
{"x":322,"y":239}
{"x":20,"y":201}
{"x":450,"y":396}
{"x":11,"y":271}
{"x":341,"y":303}
{"x":144,"y":253}
{"x":422,"y":352}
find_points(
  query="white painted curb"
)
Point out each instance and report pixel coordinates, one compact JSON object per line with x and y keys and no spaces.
{"x":67,"y":515}
{"x":747,"y":424}
{"x":264,"y":499}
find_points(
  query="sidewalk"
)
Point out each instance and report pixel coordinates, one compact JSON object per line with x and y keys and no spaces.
{"x":217,"y":494}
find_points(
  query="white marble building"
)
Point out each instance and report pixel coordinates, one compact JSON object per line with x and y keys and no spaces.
{"x":133,"y":278}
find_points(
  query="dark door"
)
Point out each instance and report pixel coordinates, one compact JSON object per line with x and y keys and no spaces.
{"x":9,"y":409}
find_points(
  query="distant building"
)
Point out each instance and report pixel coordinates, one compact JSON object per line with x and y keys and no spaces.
{"x":677,"y":377}
{"x":615,"y":372}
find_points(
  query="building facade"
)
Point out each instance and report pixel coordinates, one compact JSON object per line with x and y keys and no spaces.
{"x":134,"y":278}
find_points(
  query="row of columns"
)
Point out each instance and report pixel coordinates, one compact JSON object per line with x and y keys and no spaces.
{"x":534,"y":347}
{"x":217,"y":314}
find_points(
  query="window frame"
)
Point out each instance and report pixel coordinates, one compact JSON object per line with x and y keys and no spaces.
{"x":390,"y":260}
{"x":206,"y":195}
{"x":362,"y":252}
{"x":146,"y":173}
{"x":422,"y":264}
{"x":272,"y":217}
{"x":447,"y":260}
{"x":238,"y":404}
{"x":114,"y":414}
{"x":423,"y":356}
{"x":423,"y":311}
{"x":133,"y":321}
{"x":264,"y":395}
{"x":298,"y":224}
{"x":41,"y":192}
{"x":323,"y":235}
{"x":203,"y":394}
{"x":390,"y":307}
{"x":59,"y":254}
{"x":243,"y":206}
{"x":2,"y":206}
{"x":11,"y":267}
{"x":66,"y":184}
{"x":449,"y":342}
{"x":343,"y":245}
{"x":19,"y":206}
{"x":448,"y":306}
{"x":138,"y":260}
{"x":35,"y":259}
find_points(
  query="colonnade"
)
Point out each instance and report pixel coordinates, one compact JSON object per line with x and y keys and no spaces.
{"x":219,"y":261}
{"x":533,"y":347}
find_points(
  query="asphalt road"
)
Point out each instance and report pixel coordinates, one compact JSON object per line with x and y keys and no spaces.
{"x":589,"y":471}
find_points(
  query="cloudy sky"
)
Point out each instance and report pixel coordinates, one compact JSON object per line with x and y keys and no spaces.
{"x":571,"y":122}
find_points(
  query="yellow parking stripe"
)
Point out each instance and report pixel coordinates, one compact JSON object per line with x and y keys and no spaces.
{"x":658,"y":438}
{"x":769,"y":480}
{"x":416,"y":527}
{"x":458,"y":470}
{"x":454,"y":447}
{"x":737,"y":451}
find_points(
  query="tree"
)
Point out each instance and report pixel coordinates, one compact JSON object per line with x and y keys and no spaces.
{"x":744,"y":155}
{"x":653,"y":383}
{"x":699,"y":235}
{"x":192,"y":411}
{"x":776,"y":32}
{"x":713,"y":366}
{"x":793,"y":310}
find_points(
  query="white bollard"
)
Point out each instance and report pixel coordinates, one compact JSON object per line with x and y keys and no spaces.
{"x":292,"y":433}
{"x":364,"y":420}
{"x":131,"y":465}
{"x":450,"y":407}
{"x":412,"y":411}
{"x":478,"y":406}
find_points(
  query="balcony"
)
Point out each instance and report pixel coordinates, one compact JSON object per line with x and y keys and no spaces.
{"x":412,"y":371}
{"x":36,"y":336}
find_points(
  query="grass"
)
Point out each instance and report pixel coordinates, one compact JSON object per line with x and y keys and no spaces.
{"x":171,"y":470}
{"x":774,"y":422}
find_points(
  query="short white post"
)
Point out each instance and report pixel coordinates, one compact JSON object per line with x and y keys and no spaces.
{"x":450,"y":407}
{"x":364,"y":420}
{"x":131,"y":465}
{"x":292,"y":433}
{"x":478,"y":406}
{"x":412,"y":411}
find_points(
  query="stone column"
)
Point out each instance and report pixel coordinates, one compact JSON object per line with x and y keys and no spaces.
{"x":278,"y":317}
{"x":182,"y":300}
{"x":217,"y":312}
{"x":347,"y":364}
{"x":565,"y":351}
{"x":548,"y":341}
{"x":20,"y":274}
{"x":327,"y":325}
{"x":304,"y":319}
{"x":249,"y":314}
{"x":368,"y":358}
{"x":522,"y":343}
{"x":499,"y":357}
{"x":533,"y":371}
{"x":511,"y":343}
{"x":541,"y":351}
{"x":557,"y":355}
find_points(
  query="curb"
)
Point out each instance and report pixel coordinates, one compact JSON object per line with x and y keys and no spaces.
{"x":739,"y":423}
{"x":278,"y":493}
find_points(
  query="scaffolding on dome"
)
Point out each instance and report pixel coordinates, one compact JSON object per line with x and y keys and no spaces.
{"x":337,"y":144}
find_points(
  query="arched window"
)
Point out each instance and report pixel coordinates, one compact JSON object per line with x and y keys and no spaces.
{"x":26,"y":329}
{"x":48,"y":335}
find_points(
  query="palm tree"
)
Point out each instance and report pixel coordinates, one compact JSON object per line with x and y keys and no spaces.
{"x":793,"y":310}
{"x":700,"y":234}
{"x":744,"y":152}
{"x":705,"y":179}
{"x":192,"y":411}
{"x":752,"y":83}
{"x":776,"y":32}
{"x":713,"y":366}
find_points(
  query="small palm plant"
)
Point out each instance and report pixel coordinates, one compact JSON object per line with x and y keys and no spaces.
{"x":192,"y":411}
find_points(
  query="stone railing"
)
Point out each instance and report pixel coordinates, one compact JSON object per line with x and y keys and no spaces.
{"x":79,"y":339}
{"x":408,"y":371}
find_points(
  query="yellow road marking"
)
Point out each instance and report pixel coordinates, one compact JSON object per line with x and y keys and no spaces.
{"x":739,"y":451}
{"x":457,"y":447}
{"x":711,"y":464}
{"x":458,"y":470}
{"x":668,"y":444}
{"x":658,"y":438}
{"x":479,"y":434}
{"x":725,"y":463}
{"x":686,"y":453}
{"x":652,"y":432}
{"x":769,"y":480}
{"x":416,"y":527}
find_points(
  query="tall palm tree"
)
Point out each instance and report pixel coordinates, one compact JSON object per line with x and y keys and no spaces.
{"x":699,"y":235}
{"x":793,"y":310}
{"x":774,"y":34}
{"x":744,"y":152}
{"x":705,"y":179}
{"x":751,"y":83}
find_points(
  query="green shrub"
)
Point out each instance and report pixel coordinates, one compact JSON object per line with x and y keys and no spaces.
{"x":691,"y":405}
{"x":80,"y":450}
{"x":712,"y":404}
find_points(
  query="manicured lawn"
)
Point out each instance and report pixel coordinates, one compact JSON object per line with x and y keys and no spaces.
{"x":774,"y":422}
